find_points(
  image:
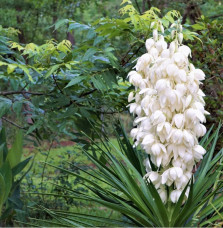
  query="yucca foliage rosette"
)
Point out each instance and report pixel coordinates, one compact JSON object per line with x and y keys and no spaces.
{"x":169,"y":109}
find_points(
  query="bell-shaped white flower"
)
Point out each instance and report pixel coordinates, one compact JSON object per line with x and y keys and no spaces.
{"x":143,"y":61}
{"x":175,"y":172}
{"x":177,"y":136}
{"x":199,"y":151}
{"x":185,"y":50}
{"x":154,"y":177}
{"x":180,"y":59}
{"x":154,"y":52}
{"x":135,"y":78}
{"x":161,"y":45}
{"x":149,"y":44}
{"x":158,"y":117}
{"x":178,"y":120}
{"x":200,"y":130}
{"x":199,"y":75}
{"x":189,"y":139}
{"x":175,"y":195}
{"x":172,"y":70}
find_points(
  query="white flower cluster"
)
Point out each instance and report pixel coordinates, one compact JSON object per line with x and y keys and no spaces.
{"x":169,"y":108}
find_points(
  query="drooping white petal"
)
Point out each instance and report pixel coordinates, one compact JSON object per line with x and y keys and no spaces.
{"x":165,"y":177}
{"x":149,"y":139}
{"x":131,"y":97}
{"x":132,"y":107}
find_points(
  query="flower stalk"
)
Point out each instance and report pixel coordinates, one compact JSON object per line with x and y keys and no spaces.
{"x":169,"y":110}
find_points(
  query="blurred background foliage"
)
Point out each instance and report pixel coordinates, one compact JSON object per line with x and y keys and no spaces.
{"x":34,"y":18}
{"x":64,"y":63}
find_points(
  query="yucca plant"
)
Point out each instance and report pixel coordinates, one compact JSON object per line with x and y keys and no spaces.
{"x":121,"y":169}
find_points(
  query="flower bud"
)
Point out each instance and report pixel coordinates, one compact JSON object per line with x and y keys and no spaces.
{"x":161,"y":29}
{"x":172,"y":47}
{"x":173,"y":33}
{"x":131,"y":97}
{"x":180,"y":37}
{"x":152,"y":24}
{"x":155,"y":34}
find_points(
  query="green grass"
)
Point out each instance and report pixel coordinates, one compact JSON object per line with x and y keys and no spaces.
{"x":35,"y":185}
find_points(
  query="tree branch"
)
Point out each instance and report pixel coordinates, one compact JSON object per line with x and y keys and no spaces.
{"x":9,"y":121}
{"x":110,"y":112}
{"x":123,"y":58}
{"x":144,"y":5}
{"x":137,"y":50}
{"x":215,"y":16}
{"x":87,"y":93}
{"x":57,"y":84}
{"x":5,"y":93}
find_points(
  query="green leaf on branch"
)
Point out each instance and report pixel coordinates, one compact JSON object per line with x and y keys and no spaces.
{"x":52,"y":70}
{"x":60,"y":23}
{"x":75,"y":81}
{"x":89,"y":53}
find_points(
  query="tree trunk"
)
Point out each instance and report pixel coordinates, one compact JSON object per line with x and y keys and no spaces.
{"x":19,"y":22}
{"x":144,"y":8}
{"x":54,"y":8}
{"x":192,"y":12}
{"x":70,"y":37}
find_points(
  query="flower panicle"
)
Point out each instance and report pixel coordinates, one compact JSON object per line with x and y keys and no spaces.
{"x":169,"y":110}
